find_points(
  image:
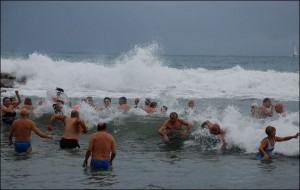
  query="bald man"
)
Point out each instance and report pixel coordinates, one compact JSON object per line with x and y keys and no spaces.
{"x":102,"y":146}
{"x":215,"y":129}
{"x":72,"y":128}
{"x":21,"y":129}
{"x":279,"y":108}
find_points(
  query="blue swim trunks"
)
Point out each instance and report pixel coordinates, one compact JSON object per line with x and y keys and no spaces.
{"x":22,"y":146}
{"x":261,"y":155}
{"x":100,"y":164}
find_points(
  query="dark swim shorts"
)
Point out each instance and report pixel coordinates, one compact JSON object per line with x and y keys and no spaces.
{"x":68,"y":143}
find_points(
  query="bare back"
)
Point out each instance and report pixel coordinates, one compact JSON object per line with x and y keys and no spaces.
{"x":101,"y":145}
{"x":71,"y":129}
{"x":22,"y":129}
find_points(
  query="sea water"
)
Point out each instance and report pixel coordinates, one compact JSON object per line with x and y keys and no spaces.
{"x":223,"y":87}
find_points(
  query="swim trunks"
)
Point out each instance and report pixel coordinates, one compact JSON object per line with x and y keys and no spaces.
{"x":9,"y":117}
{"x":22,"y":146}
{"x":68,"y":143}
{"x":100,"y":164}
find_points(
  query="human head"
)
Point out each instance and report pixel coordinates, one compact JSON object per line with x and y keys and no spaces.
{"x":57,"y":107}
{"x":147,"y":101}
{"x":267,"y":102}
{"x":137,"y":101}
{"x":279,"y":107}
{"x":89,"y":100}
{"x":191,"y":103}
{"x":59,"y":91}
{"x":75,"y":113}
{"x":122,"y":100}
{"x":24,"y":113}
{"x":12,"y":99}
{"x":6,"y":101}
{"x":153,"y":104}
{"x":107,"y":101}
{"x":173,"y":116}
{"x":76,"y":107}
{"x":163,"y":109}
{"x":270,"y":130}
{"x":27,"y":101}
{"x":101,"y":126}
{"x":215,"y":129}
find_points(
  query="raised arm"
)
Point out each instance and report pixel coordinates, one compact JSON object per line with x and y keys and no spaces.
{"x":54,"y":118}
{"x":19,"y":99}
{"x":280,"y":139}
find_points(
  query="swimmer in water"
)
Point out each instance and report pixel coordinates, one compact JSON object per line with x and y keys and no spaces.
{"x":173,"y":124}
{"x":215,"y":129}
{"x":267,"y":145}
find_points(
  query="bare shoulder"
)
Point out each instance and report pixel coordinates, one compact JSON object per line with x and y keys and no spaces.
{"x":183,"y":121}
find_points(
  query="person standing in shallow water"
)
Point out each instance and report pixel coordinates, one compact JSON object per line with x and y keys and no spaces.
{"x":267,"y":145}
{"x":172,"y":125}
{"x":102,"y":146}
{"x":21,"y":129}
{"x":72,"y":129}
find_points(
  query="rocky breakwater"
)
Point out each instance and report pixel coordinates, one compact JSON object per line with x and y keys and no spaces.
{"x":8,"y":80}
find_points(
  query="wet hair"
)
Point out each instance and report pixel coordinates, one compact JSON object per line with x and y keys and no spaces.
{"x":89,"y":100}
{"x":153,"y":104}
{"x":147,"y":101}
{"x":123,"y":99}
{"x":269,"y":130}
{"x":266,"y":100}
{"x":107,"y":98}
{"x":74,"y":113}
{"x":173,"y":114}
{"x":27,"y":101}
{"x":215,"y":129}
{"x":101,"y":126}
{"x":165,"y":107}
{"x":5,"y":99}
{"x":59,"y":89}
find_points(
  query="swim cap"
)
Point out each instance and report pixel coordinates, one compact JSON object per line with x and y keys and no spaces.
{"x":76,"y":107}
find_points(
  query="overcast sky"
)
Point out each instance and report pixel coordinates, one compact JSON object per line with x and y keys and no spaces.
{"x":189,"y":28}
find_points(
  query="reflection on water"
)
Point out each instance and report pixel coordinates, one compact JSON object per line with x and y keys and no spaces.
{"x":101,"y":177}
{"x":267,"y":165}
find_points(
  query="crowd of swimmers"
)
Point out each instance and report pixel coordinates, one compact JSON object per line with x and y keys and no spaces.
{"x":102,"y":145}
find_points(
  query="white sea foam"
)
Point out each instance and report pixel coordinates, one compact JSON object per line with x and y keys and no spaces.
{"x":247,"y":132}
{"x":141,"y":73}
